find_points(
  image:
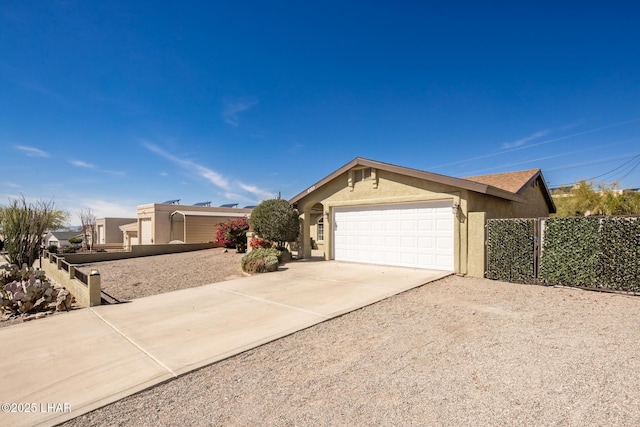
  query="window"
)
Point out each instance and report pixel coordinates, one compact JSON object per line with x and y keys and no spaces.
{"x":321,"y":230}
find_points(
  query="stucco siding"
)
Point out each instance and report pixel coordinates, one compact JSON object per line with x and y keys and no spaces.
{"x":202,"y":229}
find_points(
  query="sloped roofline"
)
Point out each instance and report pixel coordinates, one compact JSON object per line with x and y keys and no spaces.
{"x":546,"y":193}
{"x":416,"y":173}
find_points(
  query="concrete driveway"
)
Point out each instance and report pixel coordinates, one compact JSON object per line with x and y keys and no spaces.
{"x":60,"y":367}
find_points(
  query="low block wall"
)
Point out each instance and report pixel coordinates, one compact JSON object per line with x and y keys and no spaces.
{"x":86,"y":295}
{"x":137,"y":251}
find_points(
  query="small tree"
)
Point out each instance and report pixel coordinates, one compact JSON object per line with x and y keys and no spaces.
{"x":275,"y":220}
{"x":22,"y":226}
{"x":88,"y":221}
{"x":604,"y":199}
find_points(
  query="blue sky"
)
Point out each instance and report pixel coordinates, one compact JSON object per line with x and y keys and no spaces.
{"x":115,"y":104}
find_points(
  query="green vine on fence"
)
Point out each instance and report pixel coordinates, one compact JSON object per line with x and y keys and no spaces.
{"x":570,"y":251}
{"x":510,"y":250}
{"x":620,"y":254}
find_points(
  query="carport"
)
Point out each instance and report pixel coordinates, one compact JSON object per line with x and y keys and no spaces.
{"x":198,"y":226}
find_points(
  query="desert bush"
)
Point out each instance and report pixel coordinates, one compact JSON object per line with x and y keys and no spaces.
{"x":276,"y":220}
{"x":233,"y":234}
{"x":260,"y":260}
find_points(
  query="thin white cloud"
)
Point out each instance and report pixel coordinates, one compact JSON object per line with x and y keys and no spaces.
{"x":163,"y":174}
{"x":32,"y":151}
{"x":212,"y":176}
{"x":232,"y":189}
{"x":256,"y":191}
{"x":523,"y":141}
{"x":81,"y":164}
{"x":233,"y":108}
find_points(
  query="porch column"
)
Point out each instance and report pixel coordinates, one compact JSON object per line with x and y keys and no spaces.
{"x":305,"y":244}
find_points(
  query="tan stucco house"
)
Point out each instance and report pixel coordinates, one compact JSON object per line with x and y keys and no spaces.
{"x":161,"y":223}
{"x":374,"y":212}
{"x":108,"y":230}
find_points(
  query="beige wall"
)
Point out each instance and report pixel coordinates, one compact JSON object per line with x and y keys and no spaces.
{"x":112,"y":231}
{"x":160,"y":216}
{"x":389,"y":187}
{"x":384,"y":187}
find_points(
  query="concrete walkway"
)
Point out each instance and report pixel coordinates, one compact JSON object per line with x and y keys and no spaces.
{"x":60,"y":367}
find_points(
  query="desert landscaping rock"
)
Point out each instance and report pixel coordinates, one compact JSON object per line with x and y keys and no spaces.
{"x":145,"y":276}
{"x":460,"y":351}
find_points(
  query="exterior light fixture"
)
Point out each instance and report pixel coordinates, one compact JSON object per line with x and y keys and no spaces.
{"x":94,"y":273}
{"x":455,"y":208}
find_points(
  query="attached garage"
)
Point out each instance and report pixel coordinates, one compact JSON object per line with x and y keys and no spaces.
{"x":379,"y":213}
{"x":418,"y":235}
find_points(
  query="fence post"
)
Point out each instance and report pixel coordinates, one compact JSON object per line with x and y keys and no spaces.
{"x":94,"y":288}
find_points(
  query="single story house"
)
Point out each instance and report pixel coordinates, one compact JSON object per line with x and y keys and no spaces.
{"x":129,"y":235}
{"x":373,"y":212}
{"x":160,"y":223}
{"x":108,"y":230}
{"x":60,"y":239}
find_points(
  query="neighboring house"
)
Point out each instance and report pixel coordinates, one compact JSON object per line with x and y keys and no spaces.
{"x":373,"y":212}
{"x":60,"y":239}
{"x":108,"y":230}
{"x":160,"y":223}
{"x":129,"y":235}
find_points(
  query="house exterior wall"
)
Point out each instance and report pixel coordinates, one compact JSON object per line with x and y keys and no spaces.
{"x":160,"y":216}
{"x":111,"y":227}
{"x":201,"y":229}
{"x":386,"y":187}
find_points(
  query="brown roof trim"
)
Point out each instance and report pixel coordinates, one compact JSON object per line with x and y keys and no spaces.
{"x":416,"y":173}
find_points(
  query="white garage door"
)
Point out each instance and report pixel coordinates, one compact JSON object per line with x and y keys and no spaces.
{"x":145,"y":230}
{"x":416,"y":235}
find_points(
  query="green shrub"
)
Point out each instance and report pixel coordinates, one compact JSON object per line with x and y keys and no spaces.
{"x":275,"y":220}
{"x":260,"y":261}
{"x":53,"y":249}
{"x":75,"y":240}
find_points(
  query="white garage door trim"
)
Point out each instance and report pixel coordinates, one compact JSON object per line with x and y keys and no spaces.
{"x":418,"y":235}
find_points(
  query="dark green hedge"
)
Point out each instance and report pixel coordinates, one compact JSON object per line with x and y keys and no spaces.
{"x":510,"y":250}
{"x":620,"y":254}
{"x":570,"y":251}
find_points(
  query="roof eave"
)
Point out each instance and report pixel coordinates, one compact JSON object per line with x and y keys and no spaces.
{"x":429,"y":176}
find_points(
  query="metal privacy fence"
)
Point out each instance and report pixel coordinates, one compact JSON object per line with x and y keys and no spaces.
{"x":591,"y":252}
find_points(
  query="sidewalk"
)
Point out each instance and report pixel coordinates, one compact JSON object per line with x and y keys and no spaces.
{"x":60,"y":367}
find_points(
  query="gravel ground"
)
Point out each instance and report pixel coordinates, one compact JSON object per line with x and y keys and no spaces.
{"x":142,"y":277}
{"x":459,"y":351}
{"x":146,"y":276}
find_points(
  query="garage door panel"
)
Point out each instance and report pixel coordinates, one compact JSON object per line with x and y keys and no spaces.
{"x":413,"y":235}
